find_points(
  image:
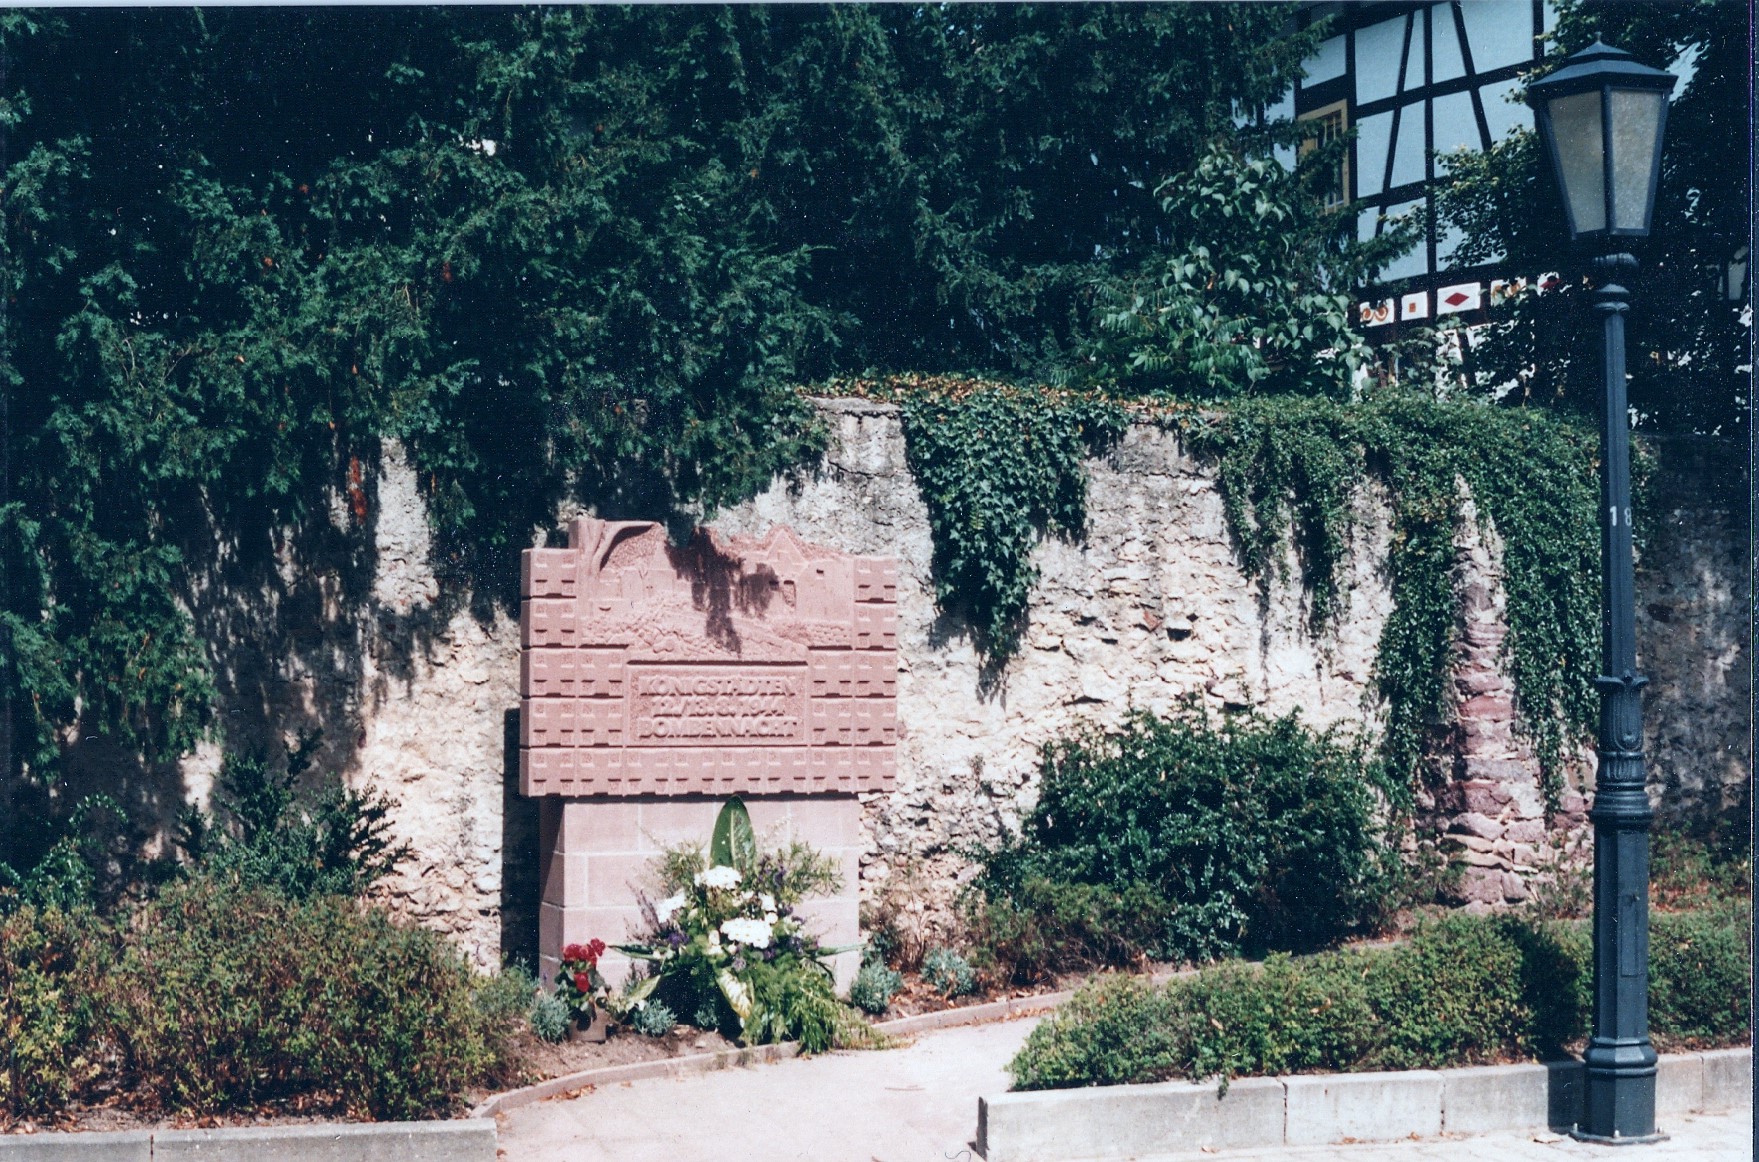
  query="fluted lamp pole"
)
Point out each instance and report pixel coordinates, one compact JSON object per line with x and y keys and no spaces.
{"x":1601,"y":117}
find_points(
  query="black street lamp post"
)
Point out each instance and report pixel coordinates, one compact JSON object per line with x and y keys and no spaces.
{"x":1601,"y":116}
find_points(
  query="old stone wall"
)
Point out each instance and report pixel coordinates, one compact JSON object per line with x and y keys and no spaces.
{"x":415,"y":686}
{"x":1694,"y":632}
{"x":1150,"y":607}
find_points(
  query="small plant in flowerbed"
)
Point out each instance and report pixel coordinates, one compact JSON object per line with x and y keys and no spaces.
{"x":875,"y":986}
{"x":949,"y":973}
{"x":581,"y":986}
{"x":726,"y":947}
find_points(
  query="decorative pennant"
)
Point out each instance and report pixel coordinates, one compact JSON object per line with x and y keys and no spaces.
{"x":1377,"y":314}
{"x":1504,"y":290}
{"x":1465,"y":296}
{"x":1414,"y":306}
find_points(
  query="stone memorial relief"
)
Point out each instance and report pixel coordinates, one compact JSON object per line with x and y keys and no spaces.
{"x":657,"y":680}
{"x":728,"y":665}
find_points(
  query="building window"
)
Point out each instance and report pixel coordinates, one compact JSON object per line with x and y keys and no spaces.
{"x":1334,"y":122}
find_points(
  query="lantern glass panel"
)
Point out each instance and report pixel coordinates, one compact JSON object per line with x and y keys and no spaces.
{"x":1581,"y":158}
{"x":1636,"y":122}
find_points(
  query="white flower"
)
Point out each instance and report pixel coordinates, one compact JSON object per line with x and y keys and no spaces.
{"x":754,"y":933}
{"x":768,"y":901}
{"x":718,"y":877}
{"x":668,"y":907}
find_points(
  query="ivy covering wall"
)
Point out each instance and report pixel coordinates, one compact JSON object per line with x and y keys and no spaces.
{"x":1001,"y":467}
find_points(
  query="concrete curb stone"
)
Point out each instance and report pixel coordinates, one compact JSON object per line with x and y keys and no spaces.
{"x":126,"y":1146}
{"x":1329,"y":1107}
{"x":1679,"y":1083}
{"x":1142,"y":1121}
{"x":1481,"y":1101}
{"x":471,"y":1140}
{"x":1728,"y":1078}
{"x":1108,"y":1122}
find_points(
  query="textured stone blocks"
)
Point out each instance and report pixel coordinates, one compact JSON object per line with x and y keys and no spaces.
{"x":641,"y":660}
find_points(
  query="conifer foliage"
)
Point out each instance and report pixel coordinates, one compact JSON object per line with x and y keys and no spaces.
{"x":545,"y":248}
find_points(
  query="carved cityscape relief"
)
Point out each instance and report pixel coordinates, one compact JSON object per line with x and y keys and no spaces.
{"x":729,"y":664}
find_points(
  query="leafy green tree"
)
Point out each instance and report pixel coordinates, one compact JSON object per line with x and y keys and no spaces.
{"x":582,"y":249}
{"x":1253,"y":293}
{"x":1689,"y":339}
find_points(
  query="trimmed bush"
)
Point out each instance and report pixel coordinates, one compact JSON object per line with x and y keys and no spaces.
{"x":1699,"y":966}
{"x":1117,"y":1030}
{"x":1196,"y":838}
{"x":213,"y":998}
{"x":1463,"y":990}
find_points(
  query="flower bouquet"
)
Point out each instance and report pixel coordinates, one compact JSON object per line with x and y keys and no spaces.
{"x":582,"y":987}
{"x":726,"y":951}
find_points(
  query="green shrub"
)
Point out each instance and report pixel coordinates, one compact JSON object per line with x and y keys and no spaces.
{"x":50,"y":969}
{"x":337,"y":841}
{"x":1451,"y":996}
{"x":226,"y":998}
{"x":550,"y":1017}
{"x":1042,"y":927}
{"x":874,"y":987}
{"x":949,"y":973}
{"x":1116,"y":1031}
{"x":1699,"y":967}
{"x":1251,"y":832}
{"x":652,"y":1019}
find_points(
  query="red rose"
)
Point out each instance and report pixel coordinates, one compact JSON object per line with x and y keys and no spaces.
{"x":575,"y":952}
{"x":582,"y":983}
{"x":595,"y":950}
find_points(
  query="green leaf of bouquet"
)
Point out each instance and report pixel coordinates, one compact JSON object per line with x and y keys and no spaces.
{"x":733,"y":844}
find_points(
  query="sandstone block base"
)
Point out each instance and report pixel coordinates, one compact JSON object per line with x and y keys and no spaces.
{"x":599,"y":858}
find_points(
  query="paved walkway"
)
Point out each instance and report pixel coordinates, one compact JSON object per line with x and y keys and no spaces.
{"x":919,"y":1104}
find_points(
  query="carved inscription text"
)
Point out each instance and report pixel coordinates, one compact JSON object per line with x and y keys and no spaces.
{"x":698,"y":705}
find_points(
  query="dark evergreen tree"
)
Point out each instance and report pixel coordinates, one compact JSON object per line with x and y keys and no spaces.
{"x":583,"y":246}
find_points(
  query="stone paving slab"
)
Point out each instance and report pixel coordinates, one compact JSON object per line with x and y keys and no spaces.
{"x":913,"y":1104}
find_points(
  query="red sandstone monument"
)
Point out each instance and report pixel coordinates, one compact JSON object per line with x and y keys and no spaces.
{"x":658,"y":680}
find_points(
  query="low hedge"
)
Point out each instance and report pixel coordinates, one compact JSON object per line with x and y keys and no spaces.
{"x":1463,"y":990}
{"x":209,"y":999}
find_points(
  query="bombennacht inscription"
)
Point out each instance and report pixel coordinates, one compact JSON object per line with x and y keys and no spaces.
{"x":719,"y":707}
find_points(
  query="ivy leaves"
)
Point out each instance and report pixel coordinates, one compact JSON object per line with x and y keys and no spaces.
{"x":1291,"y":466}
{"x":1000,"y":468}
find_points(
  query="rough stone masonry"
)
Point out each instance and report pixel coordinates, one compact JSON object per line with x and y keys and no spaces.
{"x":420,"y":697}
